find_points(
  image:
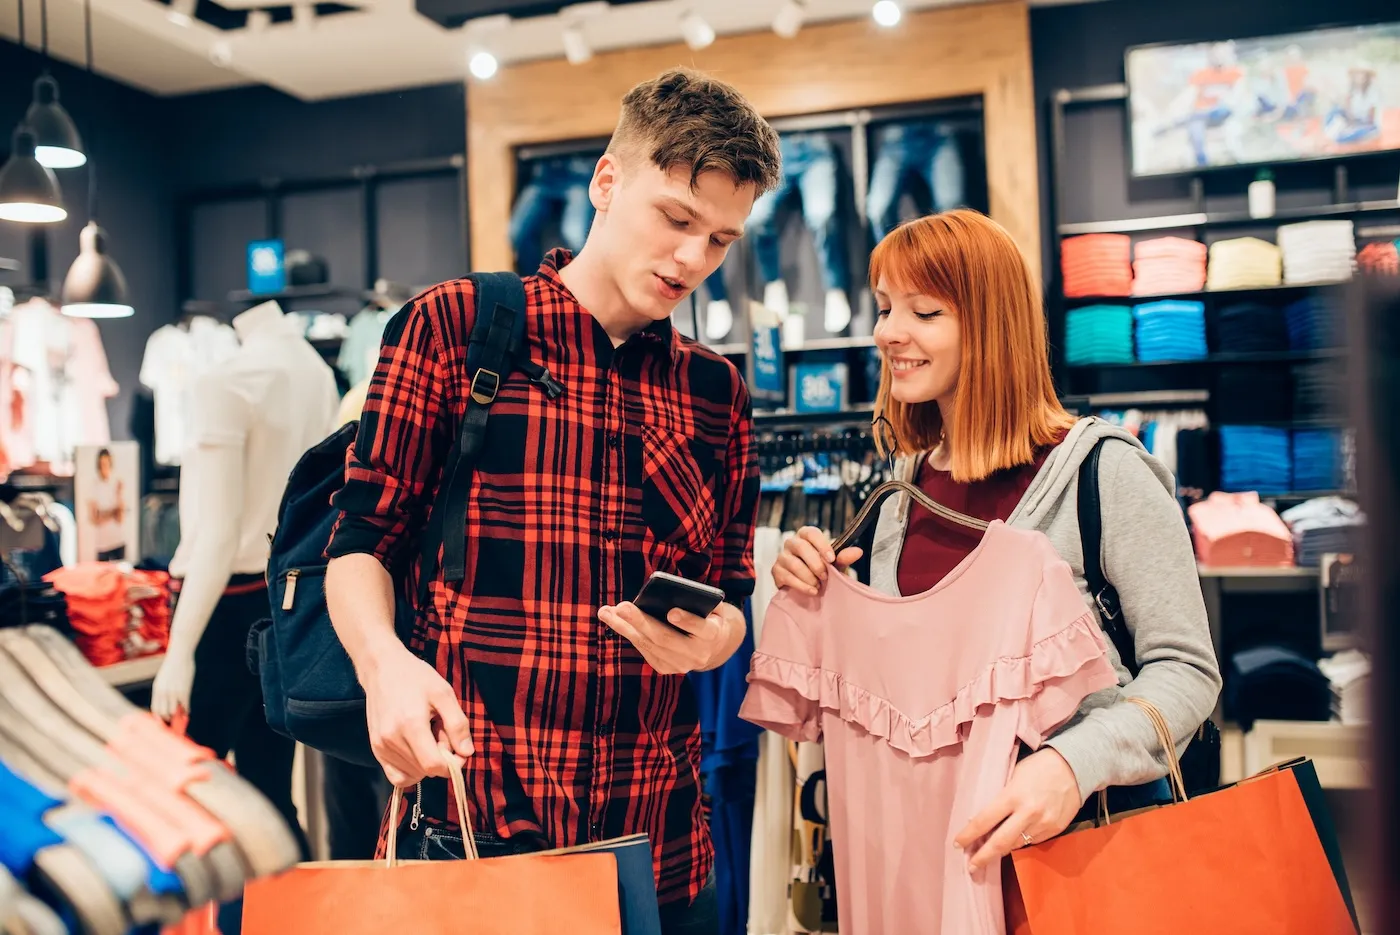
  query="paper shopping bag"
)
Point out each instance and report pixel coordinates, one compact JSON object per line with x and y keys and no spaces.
{"x":1256,"y":857}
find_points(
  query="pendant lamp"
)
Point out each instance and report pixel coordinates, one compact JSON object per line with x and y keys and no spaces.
{"x":29,"y":190}
{"x":56,"y":141}
{"x":94,"y":286}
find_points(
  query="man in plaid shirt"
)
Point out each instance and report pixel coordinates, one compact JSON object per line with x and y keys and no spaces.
{"x":571,"y":708}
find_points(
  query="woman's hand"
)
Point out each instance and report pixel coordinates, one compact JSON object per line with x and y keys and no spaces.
{"x":803,"y":564}
{"x":1039,"y":802}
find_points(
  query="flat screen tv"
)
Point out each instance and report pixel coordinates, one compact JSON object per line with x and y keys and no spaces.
{"x":1309,"y":95}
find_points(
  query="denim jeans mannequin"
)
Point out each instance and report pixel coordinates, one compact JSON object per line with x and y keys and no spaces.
{"x":558,"y":187}
{"x":809,"y":169}
{"x":906,"y":151}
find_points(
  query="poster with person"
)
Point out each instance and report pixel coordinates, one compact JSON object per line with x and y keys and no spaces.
{"x":106,"y":488}
{"x":1329,"y":92}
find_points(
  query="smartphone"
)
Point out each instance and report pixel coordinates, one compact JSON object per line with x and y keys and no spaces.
{"x":662,"y":593}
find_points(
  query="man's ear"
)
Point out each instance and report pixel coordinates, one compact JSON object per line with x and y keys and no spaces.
{"x":607,"y":179}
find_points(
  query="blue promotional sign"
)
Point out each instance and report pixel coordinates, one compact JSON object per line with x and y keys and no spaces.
{"x":267,"y":271}
{"x":768,"y":361}
{"x":819,"y":387}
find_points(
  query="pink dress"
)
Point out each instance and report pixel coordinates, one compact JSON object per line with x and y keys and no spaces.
{"x":921,"y":702}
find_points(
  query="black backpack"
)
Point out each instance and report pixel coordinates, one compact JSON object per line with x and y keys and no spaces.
{"x":1200,"y":765}
{"x":310,"y":691}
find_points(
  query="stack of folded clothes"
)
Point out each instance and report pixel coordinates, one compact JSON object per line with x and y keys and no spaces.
{"x":1314,"y":322}
{"x":1273,"y":683}
{"x":1170,"y":330}
{"x":1097,"y":264}
{"x":1317,"y":459}
{"x":1324,"y":525}
{"x":116,"y":615}
{"x":1244,"y":263}
{"x":1099,"y":334}
{"x":1350,"y":674}
{"x":1319,"y":390}
{"x":1250,"y":328}
{"x":1382,"y":258}
{"x":1166,"y":265}
{"x":1251,"y":394}
{"x":1317,"y":251}
{"x":1255,"y":457}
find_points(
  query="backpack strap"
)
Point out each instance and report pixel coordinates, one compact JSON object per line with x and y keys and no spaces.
{"x":1104,"y":594}
{"x":495,"y":348}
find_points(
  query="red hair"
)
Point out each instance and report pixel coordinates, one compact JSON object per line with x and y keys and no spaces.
{"x":1005,"y":406}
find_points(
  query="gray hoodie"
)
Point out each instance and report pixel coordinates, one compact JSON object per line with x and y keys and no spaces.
{"x":1147,"y":556}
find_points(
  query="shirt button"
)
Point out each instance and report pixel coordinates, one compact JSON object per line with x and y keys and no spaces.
{"x":614,"y":440}
{"x":610,"y":534}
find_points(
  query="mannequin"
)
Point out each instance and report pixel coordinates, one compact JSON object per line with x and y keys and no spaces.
{"x":255,"y":413}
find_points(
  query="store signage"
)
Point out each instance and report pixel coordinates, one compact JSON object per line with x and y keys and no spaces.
{"x":819,"y":387}
{"x":267,"y":271}
{"x":768,"y":360}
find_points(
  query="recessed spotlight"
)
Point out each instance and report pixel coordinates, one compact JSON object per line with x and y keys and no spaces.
{"x":887,"y":13}
{"x":576,"y":48}
{"x":483,"y":65}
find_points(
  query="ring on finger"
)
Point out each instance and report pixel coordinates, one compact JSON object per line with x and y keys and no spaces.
{"x":1026,"y":839}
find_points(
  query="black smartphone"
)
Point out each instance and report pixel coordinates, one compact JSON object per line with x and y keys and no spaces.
{"x":662,"y":593}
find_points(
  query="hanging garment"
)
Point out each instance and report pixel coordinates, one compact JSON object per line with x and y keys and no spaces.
{"x":810,"y":170}
{"x":921,"y":725}
{"x":557,"y":187}
{"x":175,"y":357}
{"x":922,"y":150}
{"x":359,"y":352}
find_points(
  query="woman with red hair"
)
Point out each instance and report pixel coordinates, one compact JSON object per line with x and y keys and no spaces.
{"x":968,"y":408}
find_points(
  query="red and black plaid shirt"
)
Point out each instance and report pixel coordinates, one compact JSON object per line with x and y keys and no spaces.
{"x":646,"y":463}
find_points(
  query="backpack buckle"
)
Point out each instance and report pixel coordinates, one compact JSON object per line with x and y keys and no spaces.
{"x":481,"y":394}
{"x":1107,"y":604}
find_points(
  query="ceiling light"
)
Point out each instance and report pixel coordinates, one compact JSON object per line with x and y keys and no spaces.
{"x":181,"y":12}
{"x":304,"y":15}
{"x":887,"y":13}
{"x":483,"y":65}
{"x":56,"y":141}
{"x":698,"y":33}
{"x":258,"y":20}
{"x":576,"y":48}
{"x":788,"y":20}
{"x":29,"y":190}
{"x":95,"y":286}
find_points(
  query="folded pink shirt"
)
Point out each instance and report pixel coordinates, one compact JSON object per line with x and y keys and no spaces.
{"x":922,"y":703}
{"x":1237,"y":530}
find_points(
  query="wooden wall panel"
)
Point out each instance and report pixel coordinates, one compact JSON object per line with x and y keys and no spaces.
{"x":979,"y":49}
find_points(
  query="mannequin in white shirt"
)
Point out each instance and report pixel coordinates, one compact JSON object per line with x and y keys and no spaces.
{"x":254,"y":415}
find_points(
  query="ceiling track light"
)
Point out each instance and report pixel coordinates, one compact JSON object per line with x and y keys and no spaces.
{"x":787,"y":22}
{"x":29,"y":191}
{"x":304,"y":15}
{"x":576,"y":47}
{"x":887,"y":13}
{"x":697,"y":33}
{"x":258,"y":20}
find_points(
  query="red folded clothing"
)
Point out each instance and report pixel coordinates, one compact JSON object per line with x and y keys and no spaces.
{"x":1097,"y":264}
{"x":115,"y":615}
{"x":1381,"y":257}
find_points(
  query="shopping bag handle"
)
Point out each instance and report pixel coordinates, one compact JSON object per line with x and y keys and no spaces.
{"x":1164,"y":736}
{"x":459,"y":792}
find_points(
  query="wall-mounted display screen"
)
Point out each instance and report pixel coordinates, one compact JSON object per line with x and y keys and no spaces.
{"x":1311,"y":95}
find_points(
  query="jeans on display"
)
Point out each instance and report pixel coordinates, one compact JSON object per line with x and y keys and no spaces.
{"x":556,"y":184}
{"x":904,"y":151}
{"x":809,"y":168}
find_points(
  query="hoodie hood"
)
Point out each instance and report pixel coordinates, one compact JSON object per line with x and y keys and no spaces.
{"x":1047,"y":491}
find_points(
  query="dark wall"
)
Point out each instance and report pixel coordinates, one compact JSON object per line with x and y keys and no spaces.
{"x":1082,"y":45}
{"x":232,"y":137}
{"x":123,"y":131}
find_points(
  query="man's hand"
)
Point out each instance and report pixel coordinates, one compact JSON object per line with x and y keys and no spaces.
{"x":711,"y":640}
{"x":405,"y":699}
{"x":1039,"y":802}
{"x":170,"y":692}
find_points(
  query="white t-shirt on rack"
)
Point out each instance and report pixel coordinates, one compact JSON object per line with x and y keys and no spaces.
{"x":174,"y":358}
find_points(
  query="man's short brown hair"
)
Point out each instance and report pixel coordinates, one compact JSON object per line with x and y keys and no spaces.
{"x":685,"y":118}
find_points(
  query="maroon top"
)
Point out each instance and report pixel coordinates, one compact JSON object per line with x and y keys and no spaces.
{"x":932,"y":546}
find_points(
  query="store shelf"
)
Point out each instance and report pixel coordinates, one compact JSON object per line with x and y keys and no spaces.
{"x":1201,"y":294}
{"x":1271,"y":357}
{"x":1338,"y":751}
{"x":133,"y":673}
{"x":819,"y":344}
{"x":295,"y":293}
{"x":1289,"y":571}
{"x":779,"y":418}
{"x":1228,"y":218}
{"x":1139,"y":398}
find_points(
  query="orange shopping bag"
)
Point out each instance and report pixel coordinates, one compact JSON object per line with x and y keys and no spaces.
{"x":533,"y":894}
{"x":1256,"y":858}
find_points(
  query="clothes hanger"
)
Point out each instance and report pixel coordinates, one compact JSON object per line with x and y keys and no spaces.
{"x":135,"y":736}
{"x":867,"y":512}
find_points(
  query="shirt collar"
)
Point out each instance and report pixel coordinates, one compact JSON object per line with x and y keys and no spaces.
{"x":659,"y":335}
{"x":266,"y":318}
